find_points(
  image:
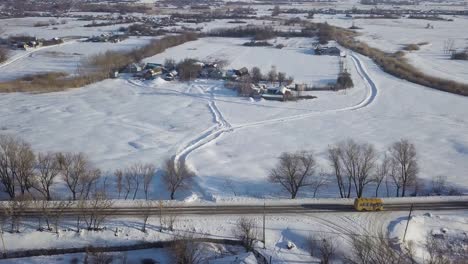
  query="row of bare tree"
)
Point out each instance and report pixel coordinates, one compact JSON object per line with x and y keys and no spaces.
{"x":355,"y":166}
{"x":24,"y":172}
{"x":27,"y":174}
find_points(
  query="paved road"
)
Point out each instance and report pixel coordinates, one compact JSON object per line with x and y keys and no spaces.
{"x":252,"y":209}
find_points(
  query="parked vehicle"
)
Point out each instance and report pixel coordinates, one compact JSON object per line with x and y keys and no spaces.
{"x":368,"y":204}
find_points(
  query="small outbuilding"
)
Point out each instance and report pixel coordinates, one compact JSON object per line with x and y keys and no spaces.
{"x":132,"y":68}
{"x":331,"y":51}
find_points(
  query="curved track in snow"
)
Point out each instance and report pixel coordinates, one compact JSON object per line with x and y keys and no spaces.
{"x":29,"y":52}
{"x":222,"y":125}
{"x":370,"y":97}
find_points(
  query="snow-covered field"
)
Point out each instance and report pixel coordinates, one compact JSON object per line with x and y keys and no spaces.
{"x":311,"y":69}
{"x":232,"y":142}
{"x":447,"y":228}
{"x":72,"y":28}
{"x":392,"y":35}
{"x":65,"y":57}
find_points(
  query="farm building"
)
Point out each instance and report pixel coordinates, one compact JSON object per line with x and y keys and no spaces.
{"x":331,"y":51}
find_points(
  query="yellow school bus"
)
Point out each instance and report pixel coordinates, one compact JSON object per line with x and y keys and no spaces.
{"x":368,"y":204}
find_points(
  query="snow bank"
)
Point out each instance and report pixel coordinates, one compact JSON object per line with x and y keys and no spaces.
{"x":448,"y":228}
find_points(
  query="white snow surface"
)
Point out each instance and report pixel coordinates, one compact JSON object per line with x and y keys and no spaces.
{"x":296,"y":59}
{"x":232,"y":142}
{"x":65,"y":57}
{"x":392,"y":35}
{"x":447,"y":227}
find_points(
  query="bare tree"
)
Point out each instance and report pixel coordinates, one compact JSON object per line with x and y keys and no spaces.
{"x":188,"y":69}
{"x":375,"y":250}
{"x":97,"y":256}
{"x":48,"y":170}
{"x":344,"y":184}
{"x":87,"y":180}
{"x":95,"y":210}
{"x":245,"y":86}
{"x":160,"y":209}
{"x":45,"y":207}
{"x":7,"y":159}
{"x":246,"y":231}
{"x":15,"y":210}
{"x":169,"y":220}
{"x":135,"y":175}
{"x":358,"y":161}
{"x":404,"y":160}
{"x":25,"y":170}
{"x":321,"y":180}
{"x":145,"y":210}
{"x":56,"y":214}
{"x":177,"y":176}
{"x":16,"y":164}
{"x":323,"y":247}
{"x":272,"y":75}
{"x":439,"y":185}
{"x":170,"y":64}
{"x":436,"y":251}
{"x":276,"y":11}
{"x":294,"y":171}
{"x":353,"y":164}
{"x":382,"y":171}
{"x":256,"y":75}
{"x":281,"y":77}
{"x":129,"y":181}
{"x":148,"y":172}
{"x":119,"y":181}
{"x":3,"y":52}
{"x":187,"y":251}
{"x":72,"y":167}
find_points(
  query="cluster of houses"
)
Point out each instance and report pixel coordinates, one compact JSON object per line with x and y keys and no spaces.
{"x":114,"y":38}
{"x":331,"y":51}
{"x":149,"y":71}
{"x":29,"y":42}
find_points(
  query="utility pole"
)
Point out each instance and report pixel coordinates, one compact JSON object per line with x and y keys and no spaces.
{"x":407,"y":223}
{"x":264,"y":212}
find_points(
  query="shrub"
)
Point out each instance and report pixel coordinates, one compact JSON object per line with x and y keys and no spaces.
{"x":41,"y":24}
{"x":279,"y":46}
{"x":3,"y":54}
{"x":257,"y":44}
{"x":188,"y":69}
{"x":344,"y":81}
{"x":460,"y":55}
{"x":411,"y":47}
{"x":326,"y":33}
{"x":148,"y":261}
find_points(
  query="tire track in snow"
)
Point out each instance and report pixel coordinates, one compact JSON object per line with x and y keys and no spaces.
{"x":371,"y":95}
{"x":221,"y":126}
{"x":30,"y":52}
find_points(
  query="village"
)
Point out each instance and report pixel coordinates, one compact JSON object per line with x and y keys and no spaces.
{"x":273,"y":85}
